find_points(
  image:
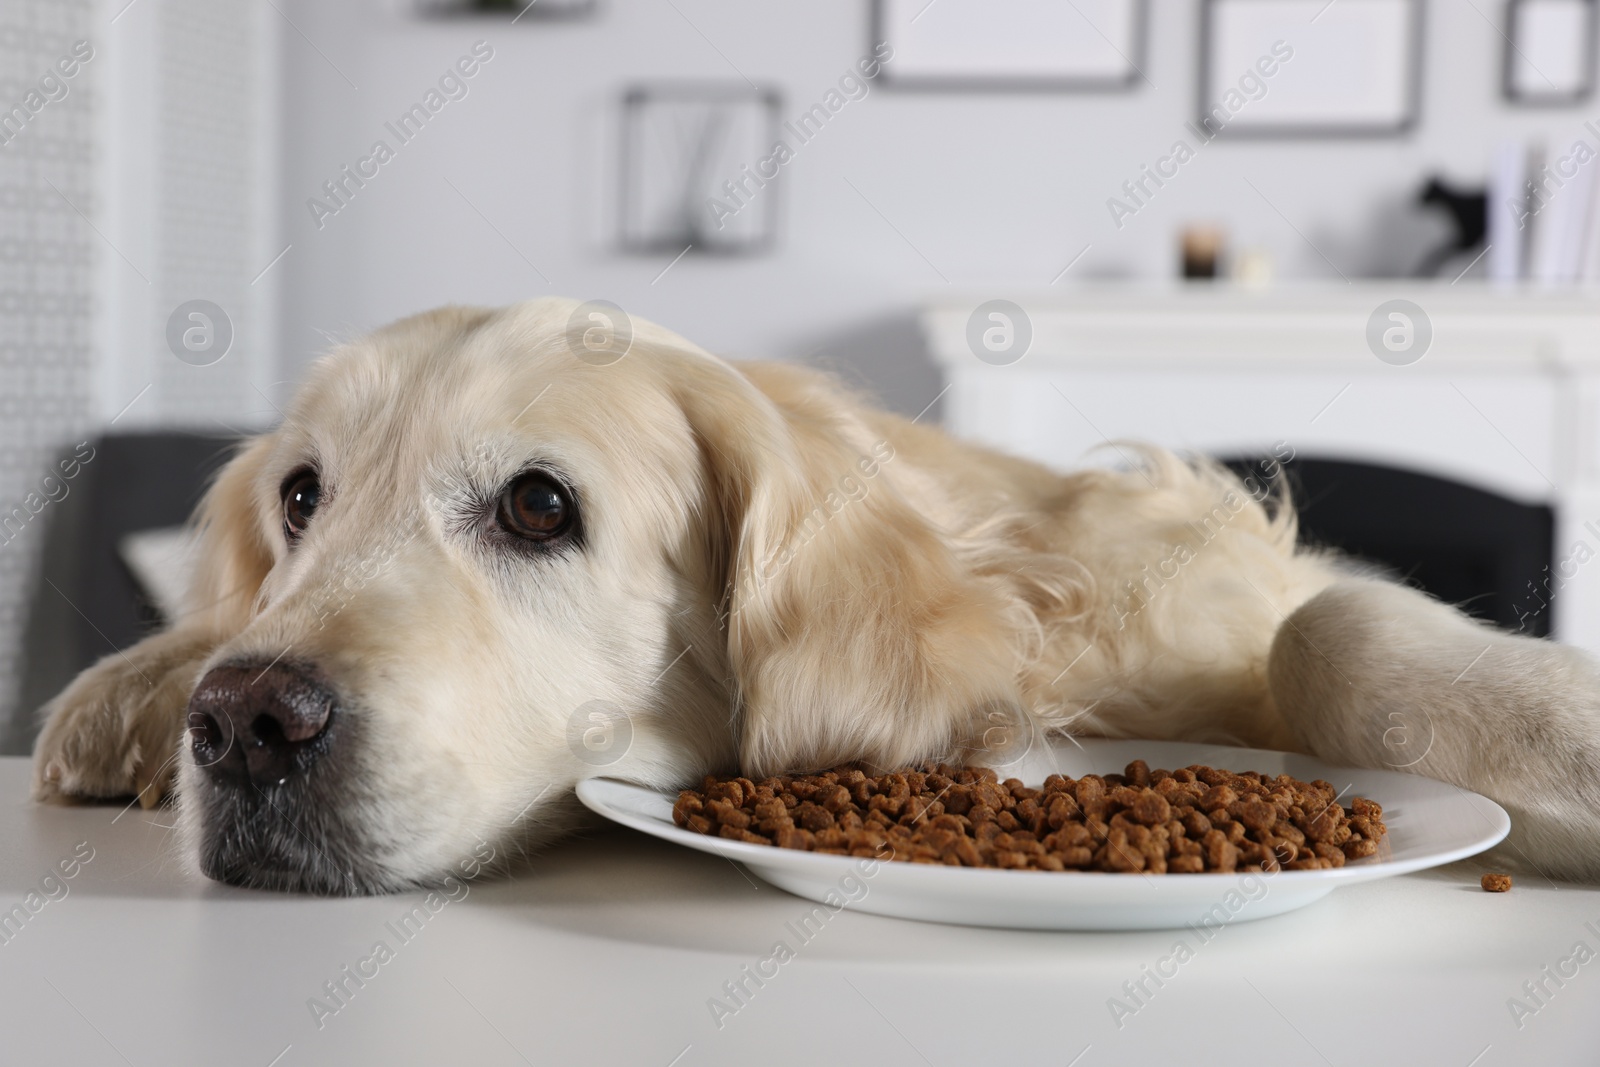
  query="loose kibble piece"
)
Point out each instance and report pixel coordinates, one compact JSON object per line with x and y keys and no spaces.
{"x":1192,"y":820}
{"x":1496,"y":883}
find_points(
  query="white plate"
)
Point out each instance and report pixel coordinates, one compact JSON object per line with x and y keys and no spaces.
{"x":1430,"y":823}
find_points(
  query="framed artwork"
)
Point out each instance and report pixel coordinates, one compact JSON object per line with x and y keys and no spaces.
{"x":1310,"y":67}
{"x":699,"y":170}
{"x":1549,"y":52}
{"x":516,"y":10}
{"x":1016,"y":45}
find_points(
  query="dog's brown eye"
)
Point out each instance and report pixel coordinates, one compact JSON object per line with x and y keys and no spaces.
{"x":300,"y":499}
{"x":535,"y":506}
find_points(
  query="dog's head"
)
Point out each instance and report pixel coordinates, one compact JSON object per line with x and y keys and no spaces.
{"x":488,"y":554}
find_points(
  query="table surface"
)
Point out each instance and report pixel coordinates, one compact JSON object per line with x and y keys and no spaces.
{"x":610,"y":949}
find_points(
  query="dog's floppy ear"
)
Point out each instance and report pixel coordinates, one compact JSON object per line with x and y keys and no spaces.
{"x":854,"y":630}
{"x":232,"y":559}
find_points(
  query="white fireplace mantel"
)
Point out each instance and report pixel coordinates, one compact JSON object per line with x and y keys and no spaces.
{"x":1506,"y":398}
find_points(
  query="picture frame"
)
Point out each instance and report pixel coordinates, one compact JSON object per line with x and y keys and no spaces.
{"x":1011,"y":45}
{"x":1549,"y":54}
{"x":696,"y":168}
{"x":516,"y":10}
{"x":1354,"y":69}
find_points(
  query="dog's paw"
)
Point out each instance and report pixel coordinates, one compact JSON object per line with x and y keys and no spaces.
{"x":114,"y":731}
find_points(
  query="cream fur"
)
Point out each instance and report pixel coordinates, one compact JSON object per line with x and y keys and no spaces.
{"x":775,"y":576}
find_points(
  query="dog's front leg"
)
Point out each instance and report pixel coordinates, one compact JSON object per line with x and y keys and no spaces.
{"x":1377,"y":675}
{"x":115,"y":730}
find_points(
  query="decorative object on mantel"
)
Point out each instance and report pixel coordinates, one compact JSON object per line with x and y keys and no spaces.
{"x":1254,"y":268}
{"x":1202,"y":248}
{"x":1467,"y":211}
{"x":1549,"y":52}
{"x":699,"y":168}
{"x":516,"y":10}
{"x":1016,"y":45}
{"x":1310,"y":68}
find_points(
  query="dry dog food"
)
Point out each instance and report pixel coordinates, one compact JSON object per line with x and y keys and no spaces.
{"x":1496,"y":883}
{"x":1187,"y":821}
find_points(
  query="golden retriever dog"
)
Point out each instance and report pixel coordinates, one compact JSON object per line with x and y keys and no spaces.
{"x":475,"y":564}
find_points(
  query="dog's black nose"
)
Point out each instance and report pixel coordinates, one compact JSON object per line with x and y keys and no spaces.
{"x":259,"y":723}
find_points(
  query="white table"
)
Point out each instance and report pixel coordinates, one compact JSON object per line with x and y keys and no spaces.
{"x":607,"y":950}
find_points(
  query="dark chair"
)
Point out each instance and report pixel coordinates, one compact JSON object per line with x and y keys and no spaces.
{"x":1483,"y":552}
{"x":86,"y":603}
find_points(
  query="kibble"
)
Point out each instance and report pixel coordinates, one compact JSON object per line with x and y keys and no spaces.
{"x":1193,"y":820}
{"x":1496,"y":883}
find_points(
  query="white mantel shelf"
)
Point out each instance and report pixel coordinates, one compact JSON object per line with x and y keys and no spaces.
{"x":1506,"y":398}
{"x":1286,"y":327}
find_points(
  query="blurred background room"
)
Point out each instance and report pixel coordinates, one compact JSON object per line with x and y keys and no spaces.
{"x":1349,"y":245}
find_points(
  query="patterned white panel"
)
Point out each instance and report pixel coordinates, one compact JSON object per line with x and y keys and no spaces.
{"x":47,"y":282}
{"x":142,"y":188}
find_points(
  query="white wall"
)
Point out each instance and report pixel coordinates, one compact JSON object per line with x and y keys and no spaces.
{"x":187,"y":152}
{"x":993,"y":192}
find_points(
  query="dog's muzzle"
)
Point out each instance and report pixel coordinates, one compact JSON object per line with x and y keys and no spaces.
{"x":275,"y":751}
